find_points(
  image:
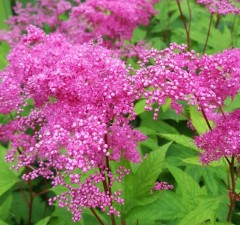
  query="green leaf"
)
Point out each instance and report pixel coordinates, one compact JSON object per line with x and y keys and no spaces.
{"x":4,"y":50}
{"x":7,"y":177}
{"x":61,"y":216}
{"x":138,"y":34}
{"x":157,"y":125}
{"x":180,"y":139}
{"x":5,"y":12}
{"x":137,"y":185}
{"x":197,"y":120}
{"x":222,"y":43}
{"x":205,"y":210}
{"x":20,"y":210}
{"x":3,"y":223}
{"x":231,"y":105}
{"x":43,"y":221}
{"x":167,"y":207}
{"x":187,"y":185}
{"x":5,"y":205}
{"x":139,"y":106}
{"x":195,"y":161}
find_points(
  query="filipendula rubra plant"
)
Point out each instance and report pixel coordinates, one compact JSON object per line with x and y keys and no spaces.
{"x":202,"y":81}
{"x":83,"y":103}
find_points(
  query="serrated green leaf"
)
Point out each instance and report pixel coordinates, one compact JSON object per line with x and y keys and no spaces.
{"x":138,"y":185}
{"x":187,"y":185}
{"x":180,"y":139}
{"x":205,"y":210}
{"x":167,"y":207}
{"x":150,"y":143}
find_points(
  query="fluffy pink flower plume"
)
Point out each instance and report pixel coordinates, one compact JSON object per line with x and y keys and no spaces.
{"x":185,"y":76}
{"x":222,"y":140}
{"x":113,"y":20}
{"x":221,"y":6}
{"x":82,"y":96}
{"x":44,"y":12}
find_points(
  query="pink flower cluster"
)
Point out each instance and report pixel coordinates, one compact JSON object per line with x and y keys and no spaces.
{"x":83,"y":102}
{"x":185,"y":76}
{"x":222,"y":140}
{"x":162,"y":186}
{"x":44,"y":12}
{"x":109,"y":19}
{"x":221,"y":6}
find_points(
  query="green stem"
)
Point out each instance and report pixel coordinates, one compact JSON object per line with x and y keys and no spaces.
{"x":208,"y":33}
{"x":190,"y":16}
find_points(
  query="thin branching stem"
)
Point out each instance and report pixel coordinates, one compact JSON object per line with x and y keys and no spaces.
{"x":184,"y":24}
{"x":232,"y":190}
{"x":23,"y":194}
{"x":208,"y":33}
{"x":206,"y":119}
{"x":97,"y":217}
{"x":190,"y":16}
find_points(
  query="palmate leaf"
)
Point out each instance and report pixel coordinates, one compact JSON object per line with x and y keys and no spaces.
{"x":137,"y":186}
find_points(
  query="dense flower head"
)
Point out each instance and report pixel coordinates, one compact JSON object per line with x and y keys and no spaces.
{"x":83,"y":101}
{"x":108,"y":18}
{"x":112,"y":20}
{"x":185,"y":76}
{"x":43,"y":12}
{"x":221,"y":6}
{"x":222,"y":140}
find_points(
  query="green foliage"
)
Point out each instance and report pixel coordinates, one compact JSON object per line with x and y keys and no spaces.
{"x":5,"y":12}
{"x":8,"y":178}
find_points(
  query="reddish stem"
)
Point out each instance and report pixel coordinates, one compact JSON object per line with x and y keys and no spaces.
{"x":184,"y":24}
{"x":232,"y":191}
{"x":208,"y":33}
{"x":96,"y":215}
